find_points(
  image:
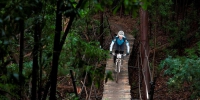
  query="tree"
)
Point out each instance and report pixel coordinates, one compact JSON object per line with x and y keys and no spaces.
{"x":144,"y":51}
{"x":21,"y":58}
{"x":56,"y":51}
{"x":173,"y":20}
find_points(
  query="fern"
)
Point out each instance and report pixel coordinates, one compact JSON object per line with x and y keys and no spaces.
{"x":184,"y":70}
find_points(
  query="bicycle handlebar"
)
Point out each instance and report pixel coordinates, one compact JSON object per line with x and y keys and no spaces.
{"x":119,"y":53}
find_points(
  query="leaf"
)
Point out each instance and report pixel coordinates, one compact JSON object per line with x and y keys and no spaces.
{"x":6,"y":42}
{"x":116,"y":9}
{"x":16,"y":76}
{"x":3,"y":77}
{"x":17,"y":18}
{"x":108,"y":76}
{"x":2,"y":32}
{"x":134,"y":13}
{"x":126,"y":2}
{"x":98,"y":7}
{"x":144,"y":5}
{"x":7,"y":17}
{"x":88,"y":68}
{"x":1,"y":21}
{"x":97,"y":84}
{"x":109,"y":2}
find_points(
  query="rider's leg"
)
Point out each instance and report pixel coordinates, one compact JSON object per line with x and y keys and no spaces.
{"x":122,"y":52}
{"x":114,"y":58}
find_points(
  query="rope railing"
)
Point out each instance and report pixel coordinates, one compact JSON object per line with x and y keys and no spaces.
{"x":147,"y":57}
{"x":139,"y":63}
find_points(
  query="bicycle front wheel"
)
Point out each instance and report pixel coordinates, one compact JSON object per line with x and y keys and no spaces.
{"x":118,"y":71}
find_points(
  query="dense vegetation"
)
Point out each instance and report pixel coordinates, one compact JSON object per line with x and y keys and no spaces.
{"x":174,"y":37}
{"x":34,"y":55}
{"x":43,"y":43}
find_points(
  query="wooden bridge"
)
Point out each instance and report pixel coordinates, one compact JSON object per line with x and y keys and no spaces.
{"x":120,"y":90}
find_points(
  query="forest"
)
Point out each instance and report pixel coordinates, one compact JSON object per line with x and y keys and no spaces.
{"x":57,"y":49}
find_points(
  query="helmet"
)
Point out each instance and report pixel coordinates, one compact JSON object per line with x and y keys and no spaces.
{"x":121,"y":33}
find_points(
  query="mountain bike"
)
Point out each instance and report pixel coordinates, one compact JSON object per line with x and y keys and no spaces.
{"x":118,"y":64}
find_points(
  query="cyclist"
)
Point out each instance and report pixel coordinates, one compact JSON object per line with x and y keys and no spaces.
{"x":119,"y":42}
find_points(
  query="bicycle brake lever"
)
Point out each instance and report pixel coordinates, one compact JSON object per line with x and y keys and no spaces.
{"x":113,"y":53}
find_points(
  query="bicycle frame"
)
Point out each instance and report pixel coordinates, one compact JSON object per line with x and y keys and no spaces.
{"x":118,"y":64}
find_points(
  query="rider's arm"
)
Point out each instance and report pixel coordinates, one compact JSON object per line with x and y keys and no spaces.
{"x":128,"y":47}
{"x":111,"y":45}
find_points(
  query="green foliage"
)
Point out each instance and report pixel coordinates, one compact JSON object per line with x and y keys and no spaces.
{"x":161,"y":8}
{"x":91,"y":7}
{"x":165,"y":7}
{"x":82,"y":57}
{"x":108,"y":75}
{"x":132,"y":6}
{"x":184,"y":70}
{"x":14,"y":68}
{"x":8,"y":88}
{"x":77,"y":54}
{"x":72,"y":96}
{"x":83,"y":13}
{"x":76,"y":57}
{"x":11,"y":12}
{"x":145,"y":3}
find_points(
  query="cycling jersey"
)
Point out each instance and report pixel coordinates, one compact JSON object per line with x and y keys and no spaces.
{"x":119,"y":44}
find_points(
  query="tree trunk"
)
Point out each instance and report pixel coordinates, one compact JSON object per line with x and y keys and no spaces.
{"x":58,"y":46}
{"x":144,"y":51}
{"x":69,"y":26}
{"x":46,"y":89}
{"x":101,"y":29}
{"x":21,"y":58}
{"x":40,"y":66}
{"x":56,"y":52}
{"x":35,"y":62}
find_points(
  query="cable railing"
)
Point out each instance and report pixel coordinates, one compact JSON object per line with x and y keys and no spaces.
{"x":139,"y":90}
{"x":139,"y":64}
{"x":147,"y":57}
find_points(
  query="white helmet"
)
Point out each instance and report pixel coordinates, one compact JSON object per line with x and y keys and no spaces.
{"x":121,"y":33}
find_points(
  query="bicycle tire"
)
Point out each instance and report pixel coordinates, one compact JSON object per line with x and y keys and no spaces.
{"x":117,"y":73}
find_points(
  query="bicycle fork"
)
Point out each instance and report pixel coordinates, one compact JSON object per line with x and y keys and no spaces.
{"x":118,"y":65}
